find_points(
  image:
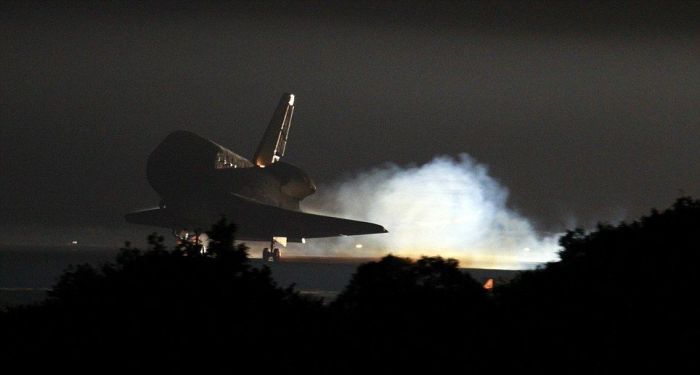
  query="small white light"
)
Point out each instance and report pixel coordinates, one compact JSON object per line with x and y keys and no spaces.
{"x":291,"y":99}
{"x":358,"y":246}
{"x":527,"y":249}
{"x":74,"y":242}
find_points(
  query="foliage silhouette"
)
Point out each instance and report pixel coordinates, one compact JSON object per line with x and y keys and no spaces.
{"x":403,"y":309}
{"x":431,"y":285}
{"x":622,"y":298}
{"x":166,"y":309}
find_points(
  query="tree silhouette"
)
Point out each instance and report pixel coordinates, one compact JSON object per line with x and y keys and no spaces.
{"x":170,"y":310}
{"x":399,"y":310}
{"x":622,"y":296}
{"x":394,"y":283}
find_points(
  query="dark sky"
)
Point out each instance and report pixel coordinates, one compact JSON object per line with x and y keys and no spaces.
{"x":585,"y":112}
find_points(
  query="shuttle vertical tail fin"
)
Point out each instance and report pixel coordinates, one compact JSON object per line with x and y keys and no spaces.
{"x":274,"y":141}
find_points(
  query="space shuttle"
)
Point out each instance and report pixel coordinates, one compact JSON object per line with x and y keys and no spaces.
{"x":199,"y":181}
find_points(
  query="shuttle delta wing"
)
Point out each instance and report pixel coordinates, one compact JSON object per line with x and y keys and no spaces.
{"x":256,"y":221}
{"x":264,"y":222}
{"x":194,"y":219}
{"x":153,"y":216}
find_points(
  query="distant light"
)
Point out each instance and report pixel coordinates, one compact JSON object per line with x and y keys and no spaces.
{"x":527,"y":249}
{"x":358,"y":246}
{"x":488,"y":285}
{"x":74,"y":242}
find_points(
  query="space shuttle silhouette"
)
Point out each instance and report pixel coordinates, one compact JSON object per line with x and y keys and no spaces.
{"x":199,"y":181}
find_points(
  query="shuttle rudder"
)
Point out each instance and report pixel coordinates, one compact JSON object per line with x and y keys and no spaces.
{"x":274,"y":141}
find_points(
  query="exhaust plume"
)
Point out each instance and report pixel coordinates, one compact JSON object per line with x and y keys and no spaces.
{"x":448,"y":207}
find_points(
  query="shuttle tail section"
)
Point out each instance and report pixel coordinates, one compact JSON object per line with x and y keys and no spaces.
{"x":274,"y":141}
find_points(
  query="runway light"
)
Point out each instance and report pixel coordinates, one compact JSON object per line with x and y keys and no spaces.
{"x":358,"y":246}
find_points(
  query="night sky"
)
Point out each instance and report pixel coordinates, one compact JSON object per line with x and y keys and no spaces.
{"x":585,"y":112}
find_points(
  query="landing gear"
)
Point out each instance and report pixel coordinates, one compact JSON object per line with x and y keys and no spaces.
{"x":271,"y":256}
{"x":183,"y":237}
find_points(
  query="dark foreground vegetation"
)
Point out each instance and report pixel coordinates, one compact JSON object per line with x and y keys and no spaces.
{"x":623,"y":298}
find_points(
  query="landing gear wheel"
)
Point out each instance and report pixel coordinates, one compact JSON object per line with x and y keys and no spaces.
{"x":276,"y":255}
{"x":266,"y":255}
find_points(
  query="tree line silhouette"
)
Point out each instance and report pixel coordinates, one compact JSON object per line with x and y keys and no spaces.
{"x":622,"y":298}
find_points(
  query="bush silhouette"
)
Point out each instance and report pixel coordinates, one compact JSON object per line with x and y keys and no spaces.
{"x":621,"y":297}
{"x":397,"y":311}
{"x":168,"y":310}
{"x":430,"y":285}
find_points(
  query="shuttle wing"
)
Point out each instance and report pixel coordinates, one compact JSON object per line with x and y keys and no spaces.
{"x":157,"y":217}
{"x":257,"y":221}
{"x":264,"y":221}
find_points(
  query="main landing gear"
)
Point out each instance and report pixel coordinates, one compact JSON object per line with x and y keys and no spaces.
{"x":271,"y":256}
{"x":196,"y":238}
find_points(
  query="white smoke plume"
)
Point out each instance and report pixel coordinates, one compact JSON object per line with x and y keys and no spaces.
{"x":448,"y":207}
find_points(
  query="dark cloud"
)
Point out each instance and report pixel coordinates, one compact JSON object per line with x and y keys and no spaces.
{"x":585,"y":111}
